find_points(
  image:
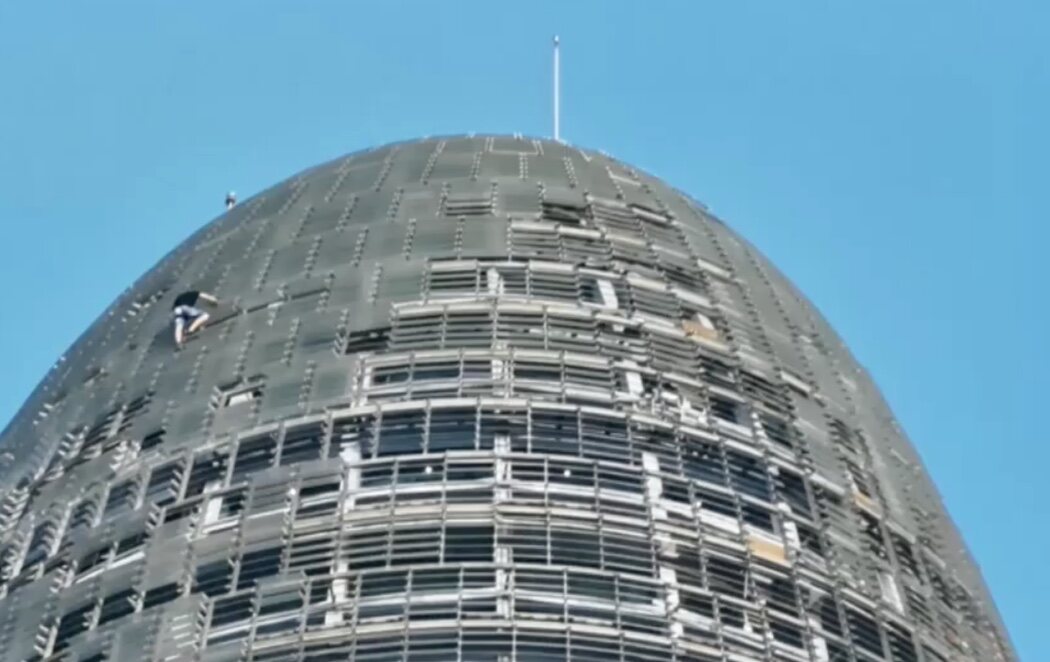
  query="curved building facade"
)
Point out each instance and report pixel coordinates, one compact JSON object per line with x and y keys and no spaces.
{"x":482,"y":399}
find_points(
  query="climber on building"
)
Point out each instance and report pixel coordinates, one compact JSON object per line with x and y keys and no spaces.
{"x":187,"y":316}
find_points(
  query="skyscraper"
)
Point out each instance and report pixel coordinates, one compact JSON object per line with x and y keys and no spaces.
{"x":476,"y":398}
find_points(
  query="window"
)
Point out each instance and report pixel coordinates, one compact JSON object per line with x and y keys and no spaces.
{"x":122,"y":498}
{"x":468,"y":544}
{"x":163,"y":486}
{"x":726,"y":409}
{"x":455,"y":278}
{"x":160,"y":595}
{"x":213,"y":578}
{"x":902,"y":549}
{"x":748,"y":474}
{"x":792,"y":489}
{"x":254,"y":454}
{"x":367,"y":340}
{"x":302,"y":443}
{"x":116,"y":605}
{"x":209,"y":470}
{"x":726,"y":576}
{"x":563,"y":208}
{"x":241,"y":395}
{"x":401,"y":433}
{"x":702,"y":460}
{"x":72,"y":623}
{"x":153,"y":439}
{"x":231,"y":610}
{"x":864,"y":632}
{"x":256,"y":565}
{"x":472,"y":203}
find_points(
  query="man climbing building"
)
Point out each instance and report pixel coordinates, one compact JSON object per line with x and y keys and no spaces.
{"x":188,"y":317}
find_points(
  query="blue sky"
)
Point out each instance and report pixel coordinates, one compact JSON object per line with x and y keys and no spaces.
{"x":889,"y":157}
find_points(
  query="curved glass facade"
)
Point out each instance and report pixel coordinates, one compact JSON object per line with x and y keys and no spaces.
{"x":478,"y":398}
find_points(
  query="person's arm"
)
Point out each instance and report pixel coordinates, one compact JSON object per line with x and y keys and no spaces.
{"x":178,"y":335}
{"x":208,"y":298}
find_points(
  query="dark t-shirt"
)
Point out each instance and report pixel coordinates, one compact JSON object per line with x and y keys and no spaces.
{"x":186,"y":299}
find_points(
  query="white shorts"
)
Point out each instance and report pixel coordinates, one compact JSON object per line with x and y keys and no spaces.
{"x":185,"y":315}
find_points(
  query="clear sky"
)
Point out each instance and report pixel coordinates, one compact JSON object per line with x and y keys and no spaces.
{"x":890,"y":157}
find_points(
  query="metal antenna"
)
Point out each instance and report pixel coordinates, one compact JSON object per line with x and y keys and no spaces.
{"x":557,"y":91}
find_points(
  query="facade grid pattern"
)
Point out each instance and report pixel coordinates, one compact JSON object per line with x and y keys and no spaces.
{"x":476,"y":398}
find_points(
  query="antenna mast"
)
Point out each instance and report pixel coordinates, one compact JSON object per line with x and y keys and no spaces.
{"x":557,"y":90}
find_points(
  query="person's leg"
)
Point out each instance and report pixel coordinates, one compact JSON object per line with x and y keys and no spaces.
{"x":180,"y":322}
{"x":197,"y":323}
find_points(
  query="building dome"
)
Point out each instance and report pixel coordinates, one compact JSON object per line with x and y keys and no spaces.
{"x":476,"y":398}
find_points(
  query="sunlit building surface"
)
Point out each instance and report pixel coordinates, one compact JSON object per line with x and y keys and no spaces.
{"x":483,"y":398}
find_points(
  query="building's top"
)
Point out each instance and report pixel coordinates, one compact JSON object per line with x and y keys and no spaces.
{"x":313,"y":274}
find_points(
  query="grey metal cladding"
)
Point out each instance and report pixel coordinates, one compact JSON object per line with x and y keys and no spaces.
{"x":474,"y":398}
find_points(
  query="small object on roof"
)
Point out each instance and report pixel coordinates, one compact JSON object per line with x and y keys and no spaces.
{"x":231,"y":199}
